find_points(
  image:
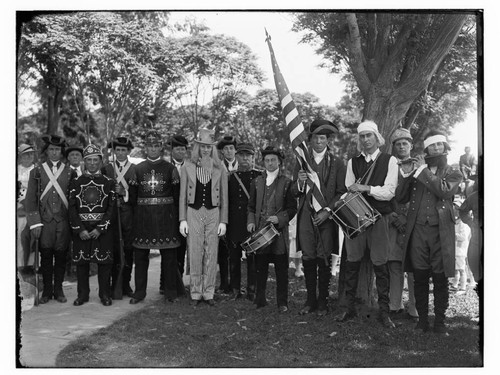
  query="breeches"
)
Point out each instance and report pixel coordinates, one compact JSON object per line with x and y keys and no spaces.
{"x":425,"y":248}
{"x":375,"y":238}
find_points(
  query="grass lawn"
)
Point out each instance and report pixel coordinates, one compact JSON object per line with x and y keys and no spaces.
{"x":235,"y":334}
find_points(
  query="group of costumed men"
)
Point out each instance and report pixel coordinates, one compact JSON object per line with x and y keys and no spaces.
{"x":203,"y":208}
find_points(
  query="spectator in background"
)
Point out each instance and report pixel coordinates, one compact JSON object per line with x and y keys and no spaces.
{"x":468,"y":165}
{"x":462,"y":237}
{"x":74,"y":155}
{"x":26,"y":157}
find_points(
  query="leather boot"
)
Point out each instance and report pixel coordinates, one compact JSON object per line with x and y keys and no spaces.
{"x":440,"y":301}
{"x":351,"y":287}
{"x":47,"y":270}
{"x":382,"y":283}
{"x":324,"y":275}
{"x":127,"y":275}
{"x":310,"y":276}
{"x":421,"y":289}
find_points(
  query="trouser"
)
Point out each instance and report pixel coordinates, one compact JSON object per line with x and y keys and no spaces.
{"x":103,"y":280}
{"x":440,"y":291}
{"x":412,"y":309}
{"x":234,"y":265}
{"x":396,"y":282}
{"x":281,"y":268}
{"x":223,"y":261}
{"x":53,"y":267}
{"x":317,"y":272}
{"x":169,"y":267}
{"x":127,"y":268}
{"x":251,"y":274}
{"x":202,"y":245}
{"x":381,"y":282}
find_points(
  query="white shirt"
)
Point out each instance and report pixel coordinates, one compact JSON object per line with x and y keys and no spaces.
{"x":271,"y":176}
{"x":382,"y":193}
{"x":23,"y":176}
{"x":319,"y":157}
{"x":77,"y":169}
{"x":178,"y":165}
{"x":232,"y":165}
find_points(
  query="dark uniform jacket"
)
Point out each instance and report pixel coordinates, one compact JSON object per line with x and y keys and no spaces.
{"x":126,"y":208}
{"x":443,"y":185}
{"x":50,"y":207}
{"x":284,"y":202}
{"x":91,"y":202}
{"x":238,"y":203}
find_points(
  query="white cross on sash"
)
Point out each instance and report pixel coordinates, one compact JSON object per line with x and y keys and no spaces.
{"x":53,"y":183}
{"x":120,"y":175}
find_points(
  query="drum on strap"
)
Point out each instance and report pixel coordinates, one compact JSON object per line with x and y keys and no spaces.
{"x":259,"y":241}
{"x":355,"y":214}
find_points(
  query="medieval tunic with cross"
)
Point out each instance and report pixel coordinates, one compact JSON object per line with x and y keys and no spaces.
{"x":155,"y":189}
{"x":47,"y":204}
{"x":91,"y":202}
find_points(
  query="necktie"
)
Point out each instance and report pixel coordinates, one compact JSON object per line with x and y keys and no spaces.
{"x":54,"y":168}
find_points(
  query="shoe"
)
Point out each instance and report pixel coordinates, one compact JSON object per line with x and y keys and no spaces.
{"x":79,"y":301}
{"x":134,"y":301}
{"x":307,"y":310}
{"x":299,"y":273}
{"x":61,"y":298}
{"x":236,"y":296}
{"x":322,"y":312}
{"x":210,"y":302}
{"x":44,"y":300}
{"x":194,"y":302}
{"x":387,"y":322}
{"x":127,"y":291}
{"x":346,"y":316}
{"x":422,"y":325}
{"x":396,"y":314}
{"x":106,"y":301}
{"x":251,"y":296}
{"x":162,"y":292}
{"x":172,"y":300}
{"x":282,"y":309}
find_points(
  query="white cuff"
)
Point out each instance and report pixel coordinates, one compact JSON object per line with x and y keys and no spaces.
{"x":36,"y":225}
{"x":419,"y":170}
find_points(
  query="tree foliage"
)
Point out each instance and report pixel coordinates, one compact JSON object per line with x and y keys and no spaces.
{"x":393,"y":57}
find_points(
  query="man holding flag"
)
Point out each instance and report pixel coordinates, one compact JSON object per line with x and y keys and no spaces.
{"x":319,"y":184}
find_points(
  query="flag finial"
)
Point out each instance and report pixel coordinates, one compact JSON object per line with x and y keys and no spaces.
{"x":268,"y":37}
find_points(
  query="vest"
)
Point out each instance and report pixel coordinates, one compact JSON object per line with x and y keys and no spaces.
{"x":203,"y":195}
{"x":360,"y":166}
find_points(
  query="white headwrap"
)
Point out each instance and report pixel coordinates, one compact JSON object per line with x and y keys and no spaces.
{"x":368,"y":126}
{"x":434,"y":139}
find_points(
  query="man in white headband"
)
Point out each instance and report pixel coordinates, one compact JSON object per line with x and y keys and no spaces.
{"x":378,"y":186}
{"x":429,"y":247}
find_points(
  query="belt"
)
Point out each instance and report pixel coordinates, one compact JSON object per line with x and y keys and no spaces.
{"x":91,"y":217}
{"x":154,"y":201}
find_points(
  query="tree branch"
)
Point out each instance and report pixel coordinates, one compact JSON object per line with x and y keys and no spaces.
{"x":357,"y":60}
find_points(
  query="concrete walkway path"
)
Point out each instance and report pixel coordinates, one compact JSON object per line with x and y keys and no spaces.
{"x":46,"y":329}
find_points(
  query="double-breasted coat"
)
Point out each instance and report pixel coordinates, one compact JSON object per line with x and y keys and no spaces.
{"x":444,"y":185}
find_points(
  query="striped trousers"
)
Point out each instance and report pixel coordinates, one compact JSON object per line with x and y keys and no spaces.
{"x":203,"y":243}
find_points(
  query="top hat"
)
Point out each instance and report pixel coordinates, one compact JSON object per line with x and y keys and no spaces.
{"x":153,"y":137}
{"x":121,"y":142}
{"x":401,"y":133}
{"x":73,"y":148}
{"x":245,"y":148}
{"x":24,"y":148}
{"x":54,"y":140}
{"x":206,"y":137}
{"x":179,"y":140}
{"x":271,"y":150}
{"x":324,"y":127}
{"x":92,"y":150}
{"x":226,"y":141}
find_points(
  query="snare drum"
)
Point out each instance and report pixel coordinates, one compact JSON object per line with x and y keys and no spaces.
{"x":355,"y":214}
{"x":259,"y":241}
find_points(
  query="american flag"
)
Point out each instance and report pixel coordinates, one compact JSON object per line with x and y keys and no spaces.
{"x":296,"y":131}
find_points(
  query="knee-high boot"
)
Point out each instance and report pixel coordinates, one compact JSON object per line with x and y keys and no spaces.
{"x":310,"y":276}
{"x":351,"y":287}
{"x":421,"y":289}
{"x":382,"y":283}
{"x":440,"y":300}
{"x":324,"y":275}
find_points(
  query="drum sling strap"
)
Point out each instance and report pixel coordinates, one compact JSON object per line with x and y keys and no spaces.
{"x":53,"y":183}
{"x":369,"y":171}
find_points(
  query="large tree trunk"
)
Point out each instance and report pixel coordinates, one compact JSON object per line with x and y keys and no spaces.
{"x":54,"y":101}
